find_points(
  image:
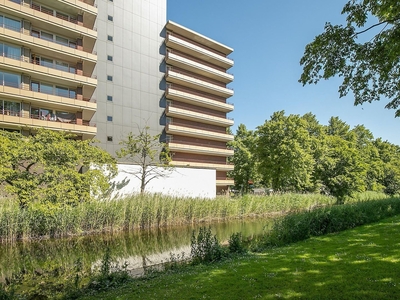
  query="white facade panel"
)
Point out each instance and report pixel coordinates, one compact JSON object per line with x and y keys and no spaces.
{"x":180,"y":182}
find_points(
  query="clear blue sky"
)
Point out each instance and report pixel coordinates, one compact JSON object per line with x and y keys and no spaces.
{"x":268,"y":38}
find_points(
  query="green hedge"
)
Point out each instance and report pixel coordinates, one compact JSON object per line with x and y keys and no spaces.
{"x":300,"y":226}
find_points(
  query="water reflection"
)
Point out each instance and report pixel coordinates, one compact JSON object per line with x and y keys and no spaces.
{"x":136,"y":248}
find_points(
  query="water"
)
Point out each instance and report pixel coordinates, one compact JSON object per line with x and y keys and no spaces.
{"x":138,"y":248}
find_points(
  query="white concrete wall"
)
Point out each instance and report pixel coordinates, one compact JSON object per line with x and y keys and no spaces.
{"x":180,"y":182}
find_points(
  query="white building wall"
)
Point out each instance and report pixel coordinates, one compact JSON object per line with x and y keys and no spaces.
{"x":180,"y":182}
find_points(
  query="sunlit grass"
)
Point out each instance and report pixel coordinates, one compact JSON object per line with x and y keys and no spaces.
{"x":361,"y":263}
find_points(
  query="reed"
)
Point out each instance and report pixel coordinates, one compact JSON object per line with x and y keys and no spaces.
{"x":299,"y":226}
{"x":140,"y":212}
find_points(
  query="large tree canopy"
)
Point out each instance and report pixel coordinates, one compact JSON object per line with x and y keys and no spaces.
{"x":365,"y":52}
{"x":46,"y":167}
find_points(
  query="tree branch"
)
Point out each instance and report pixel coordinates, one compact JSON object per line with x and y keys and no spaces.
{"x":375,"y":25}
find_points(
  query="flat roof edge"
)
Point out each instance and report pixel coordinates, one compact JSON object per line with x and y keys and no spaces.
{"x":175,"y":27}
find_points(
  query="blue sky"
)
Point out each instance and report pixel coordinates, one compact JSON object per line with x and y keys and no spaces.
{"x":268,"y":38}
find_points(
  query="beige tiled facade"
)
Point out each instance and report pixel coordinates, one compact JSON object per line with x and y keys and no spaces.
{"x":47,"y":61}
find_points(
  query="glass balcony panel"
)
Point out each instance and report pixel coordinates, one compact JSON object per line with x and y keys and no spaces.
{"x":10,"y":51}
{"x":62,"y":92}
{"x":62,"y":41}
{"x":45,"y":62}
{"x":10,"y":79}
{"x":10,"y":108}
{"x":46,"y":36}
{"x":46,"y":88}
{"x":11,"y":24}
{"x":63,"y":66}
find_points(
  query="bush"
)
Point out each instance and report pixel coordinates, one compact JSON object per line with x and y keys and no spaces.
{"x":236,"y":244}
{"x":300,"y":226}
{"x":205,"y":248}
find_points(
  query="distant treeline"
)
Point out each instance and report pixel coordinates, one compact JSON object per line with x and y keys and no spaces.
{"x":297,"y":154}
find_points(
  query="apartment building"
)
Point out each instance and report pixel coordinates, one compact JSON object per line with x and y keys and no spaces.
{"x":103,"y":68}
{"x":196,"y":101}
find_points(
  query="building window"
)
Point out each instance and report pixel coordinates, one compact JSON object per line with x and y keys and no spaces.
{"x":110,"y":38}
{"x":109,"y":78}
{"x":109,"y":138}
{"x":109,"y":98}
{"x":109,"y":118}
{"x":110,"y":18}
{"x":109,"y":57}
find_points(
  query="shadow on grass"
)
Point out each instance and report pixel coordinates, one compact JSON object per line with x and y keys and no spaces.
{"x":362,"y":263}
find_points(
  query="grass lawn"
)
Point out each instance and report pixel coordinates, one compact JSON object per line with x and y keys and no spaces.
{"x":361,"y":263}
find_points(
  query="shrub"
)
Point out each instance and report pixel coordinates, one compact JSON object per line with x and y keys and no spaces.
{"x":205,"y":248}
{"x":236,"y":244}
{"x":300,"y":226}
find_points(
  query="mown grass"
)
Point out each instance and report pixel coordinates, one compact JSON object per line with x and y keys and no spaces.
{"x":135,"y":212}
{"x":360,"y":263}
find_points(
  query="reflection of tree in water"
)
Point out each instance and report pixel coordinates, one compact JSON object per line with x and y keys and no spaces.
{"x":139,"y":248}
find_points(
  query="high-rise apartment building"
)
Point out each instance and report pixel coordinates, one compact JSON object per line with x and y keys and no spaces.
{"x":103,"y":68}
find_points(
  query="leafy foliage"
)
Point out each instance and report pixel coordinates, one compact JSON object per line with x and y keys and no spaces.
{"x":297,"y":154}
{"x":244,"y":160}
{"x":149,"y":153}
{"x":46,"y":168}
{"x":284,"y":153}
{"x":205,"y":247}
{"x":369,"y":69}
{"x":300,"y":226}
{"x":236,"y":244}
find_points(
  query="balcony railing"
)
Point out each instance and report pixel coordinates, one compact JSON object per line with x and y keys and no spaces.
{"x":198,"y":77}
{"x":62,"y":16}
{"x":20,"y":114}
{"x":71,"y":44}
{"x":195,"y":93}
{"x":26,"y":87}
{"x":183,"y":143}
{"x":204,"y":161}
{"x":196,"y":127}
{"x":197,"y":110}
{"x":69,"y":69}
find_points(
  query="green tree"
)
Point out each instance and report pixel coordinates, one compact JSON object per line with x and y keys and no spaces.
{"x":243,"y":158}
{"x":340,"y":169}
{"x":370,"y":156}
{"x":46,"y":167}
{"x":390,"y":158}
{"x":149,"y":153}
{"x":369,"y":69}
{"x":284,"y":153}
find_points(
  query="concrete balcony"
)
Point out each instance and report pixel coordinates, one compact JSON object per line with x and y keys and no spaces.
{"x":197,"y":67}
{"x":57,"y":25}
{"x":204,"y":165}
{"x":17,"y":121}
{"x":188,"y":97}
{"x":186,"y":148}
{"x":196,"y":83}
{"x":198,"y":133}
{"x":47,"y":74}
{"x":49,"y":101}
{"x":186,"y":46}
{"x":81,"y":5}
{"x":224,"y":182}
{"x":45,"y":47}
{"x":199,"y":117}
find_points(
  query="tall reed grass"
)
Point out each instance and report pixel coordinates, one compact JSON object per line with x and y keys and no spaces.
{"x":299,"y":226}
{"x":142,"y":212}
